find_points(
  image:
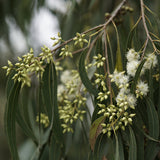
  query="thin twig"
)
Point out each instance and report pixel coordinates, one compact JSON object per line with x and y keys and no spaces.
{"x":113,"y":15}
{"x":146,"y":30}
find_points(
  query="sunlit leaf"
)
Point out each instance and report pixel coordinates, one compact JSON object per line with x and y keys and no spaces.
{"x":119,"y":64}
{"x":95,"y":130}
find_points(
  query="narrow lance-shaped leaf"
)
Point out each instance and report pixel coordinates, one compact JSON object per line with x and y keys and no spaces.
{"x":84,"y":77}
{"x":117,"y":148}
{"x":119,"y":64}
{"x":120,"y":146}
{"x":95,"y":130}
{"x":153,"y":124}
{"x":131,"y":35}
{"x":57,"y":129}
{"x":10,"y":117}
{"x":47,"y":89}
{"x":132,"y":145}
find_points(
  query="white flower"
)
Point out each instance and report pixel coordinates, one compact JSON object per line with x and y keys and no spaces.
{"x":151,"y":61}
{"x":132,"y":67}
{"x":117,"y":76}
{"x":122,"y":95}
{"x":124,"y":80}
{"x":142,"y":88}
{"x":132,"y":55}
{"x":66,"y":76}
{"x":131,"y":99}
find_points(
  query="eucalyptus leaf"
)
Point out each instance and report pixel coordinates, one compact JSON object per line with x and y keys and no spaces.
{"x":95,"y":130}
{"x":10,"y":118}
{"x":132,"y":145}
{"x":84,"y":77}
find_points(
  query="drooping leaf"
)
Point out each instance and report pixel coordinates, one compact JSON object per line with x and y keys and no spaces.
{"x":25,"y":128}
{"x":119,"y":64}
{"x":137,"y":127}
{"x":84,"y":77}
{"x":47,"y":89}
{"x":121,"y":148}
{"x":132,"y":145}
{"x":56,"y":124}
{"x":10,"y":118}
{"x":95,"y":130}
{"x":153,"y":125}
{"x":117,"y":157}
{"x":131,"y":34}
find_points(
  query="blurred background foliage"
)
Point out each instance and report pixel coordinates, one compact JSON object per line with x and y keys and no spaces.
{"x":79,"y":16}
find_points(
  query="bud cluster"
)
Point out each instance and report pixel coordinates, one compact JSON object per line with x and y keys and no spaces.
{"x":99,"y":60}
{"x":43,"y":119}
{"x":57,"y":40}
{"x":80,"y":39}
{"x":29,"y":64}
{"x":70,"y":100}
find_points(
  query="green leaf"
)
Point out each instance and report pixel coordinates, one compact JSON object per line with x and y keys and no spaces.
{"x":132,"y":145}
{"x":131,"y":34}
{"x":121,"y":148}
{"x":55,"y":150}
{"x":84,"y":77}
{"x":153,"y":121}
{"x":25,"y":128}
{"x":47,"y":89}
{"x":119,"y":64}
{"x":140,"y":144}
{"x":153,"y":125}
{"x":95,"y":130}
{"x":10,"y":117}
{"x":117,"y":157}
{"x":138,"y":124}
{"x":49,"y":94}
{"x":137,"y":75}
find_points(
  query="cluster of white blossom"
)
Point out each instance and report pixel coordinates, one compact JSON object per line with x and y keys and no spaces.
{"x":119,"y":114}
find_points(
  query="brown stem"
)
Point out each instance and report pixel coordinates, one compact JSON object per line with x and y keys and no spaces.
{"x":146,"y":30}
{"x":115,"y":12}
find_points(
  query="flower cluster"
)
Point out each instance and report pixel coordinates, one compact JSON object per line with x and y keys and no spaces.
{"x":43,"y":119}
{"x":133,"y":58}
{"x":120,"y":114}
{"x":70,"y":100}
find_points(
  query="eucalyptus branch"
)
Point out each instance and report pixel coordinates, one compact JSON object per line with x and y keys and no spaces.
{"x":113,"y":15}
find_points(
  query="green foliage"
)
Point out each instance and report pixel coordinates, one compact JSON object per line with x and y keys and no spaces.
{"x":104,"y":108}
